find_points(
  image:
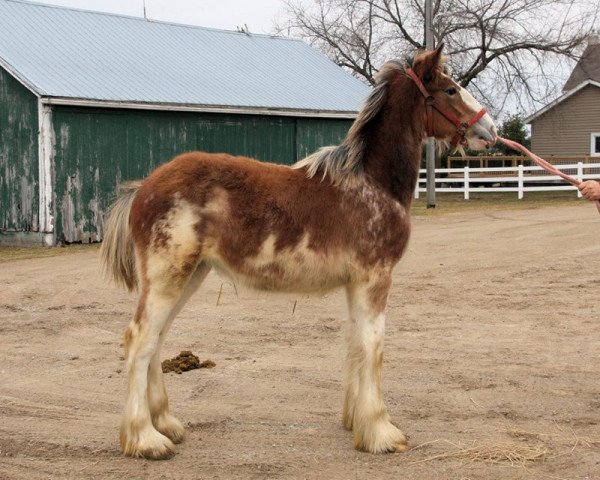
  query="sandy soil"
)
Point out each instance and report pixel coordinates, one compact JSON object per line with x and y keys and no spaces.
{"x":492,"y":356}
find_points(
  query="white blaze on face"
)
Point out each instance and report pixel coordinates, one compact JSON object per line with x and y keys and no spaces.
{"x":469,"y":100}
{"x":484,"y":131}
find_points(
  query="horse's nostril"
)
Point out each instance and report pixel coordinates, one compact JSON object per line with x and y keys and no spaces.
{"x":488,"y":140}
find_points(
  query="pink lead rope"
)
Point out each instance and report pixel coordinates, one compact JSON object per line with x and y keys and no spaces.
{"x":543,"y":163}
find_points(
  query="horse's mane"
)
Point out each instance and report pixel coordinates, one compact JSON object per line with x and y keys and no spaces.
{"x":345,"y":162}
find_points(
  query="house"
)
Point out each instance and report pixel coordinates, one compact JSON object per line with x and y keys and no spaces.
{"x":570,"y":125}
{"x":88,"y":100}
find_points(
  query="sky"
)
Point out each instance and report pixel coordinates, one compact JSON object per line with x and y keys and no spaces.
{"x":258,"y":15}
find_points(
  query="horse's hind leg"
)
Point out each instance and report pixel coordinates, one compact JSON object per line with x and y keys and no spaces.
{"x":158,"y":401}
{"x":162,"y":288}
{"x":364,"y":410}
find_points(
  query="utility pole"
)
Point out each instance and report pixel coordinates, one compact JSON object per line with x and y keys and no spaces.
{"x":430,"y":146}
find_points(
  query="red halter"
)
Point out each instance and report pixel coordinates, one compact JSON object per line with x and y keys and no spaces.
{"x":461,"y":127}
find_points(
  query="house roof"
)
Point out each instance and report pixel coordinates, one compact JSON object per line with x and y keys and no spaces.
{"x":561,"y":99}
{"x":586,"y":73}
{"x":74,"y":56}
{"x":588,"y":67}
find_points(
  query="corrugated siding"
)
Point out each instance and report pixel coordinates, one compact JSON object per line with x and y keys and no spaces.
{"x":18,"y":156}
{"x":566,"y":128}
{"x":313,"y":133}
{"x":70,"y":53}
{"x":96,"y":149}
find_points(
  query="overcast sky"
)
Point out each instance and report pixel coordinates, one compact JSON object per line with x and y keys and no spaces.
{"x":259,"y":15}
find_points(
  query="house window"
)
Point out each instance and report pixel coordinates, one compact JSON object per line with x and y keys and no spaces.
{"x":595,"y":150}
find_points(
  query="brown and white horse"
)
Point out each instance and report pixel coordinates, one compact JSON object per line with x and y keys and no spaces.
{"x":339,"y":218}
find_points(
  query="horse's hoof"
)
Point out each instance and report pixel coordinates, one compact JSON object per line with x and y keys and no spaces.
{"x":157,"y":452}
{"x":401,"y":447}
{"x":170,"y":427}
{"x":152,"y":446}
{"x":379,"y":437}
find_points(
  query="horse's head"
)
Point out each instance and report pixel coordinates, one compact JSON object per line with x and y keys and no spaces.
{"x":452,"y":113}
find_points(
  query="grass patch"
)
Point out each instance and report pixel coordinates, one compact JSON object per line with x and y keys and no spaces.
{"x":10,"y":254}
{"x":455,"y":203}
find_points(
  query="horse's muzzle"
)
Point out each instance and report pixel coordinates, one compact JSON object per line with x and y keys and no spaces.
{"x":485,"y":130}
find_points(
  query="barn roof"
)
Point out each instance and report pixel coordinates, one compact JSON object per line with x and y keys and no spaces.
{"x":78,"y":57}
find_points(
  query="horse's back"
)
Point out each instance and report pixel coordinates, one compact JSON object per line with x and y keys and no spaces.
{"x":238,"y":187}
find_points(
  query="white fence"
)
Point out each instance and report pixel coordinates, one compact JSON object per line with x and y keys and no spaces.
{"x":501,"y":179}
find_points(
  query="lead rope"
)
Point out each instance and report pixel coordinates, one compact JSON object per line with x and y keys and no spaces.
{"x":543,"y":163}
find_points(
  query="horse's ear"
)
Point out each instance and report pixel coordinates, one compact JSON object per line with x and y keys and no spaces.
{"x":428,"y":64}
{"x":436,"y":55}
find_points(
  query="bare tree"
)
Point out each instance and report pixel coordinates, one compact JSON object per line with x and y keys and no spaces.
{"x":509,"y":52}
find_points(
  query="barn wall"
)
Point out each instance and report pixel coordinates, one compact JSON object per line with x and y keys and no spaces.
{"x":566,"y":129}
{"x":314,"y":133}
{"x":18,"y":158}
{"x":96,"y":149}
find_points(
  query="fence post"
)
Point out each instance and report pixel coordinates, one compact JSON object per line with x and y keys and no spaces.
{"x":418,"y":184}
{"x":466,"y":183}
{"x":579,"y":176}
{"x":520,"y":182}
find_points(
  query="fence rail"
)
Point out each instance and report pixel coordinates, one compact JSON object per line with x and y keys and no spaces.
{"x":526,"y":179}
{"x":495,"y":161}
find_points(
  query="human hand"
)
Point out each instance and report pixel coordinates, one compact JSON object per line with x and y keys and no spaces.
{"x":590,"y":189}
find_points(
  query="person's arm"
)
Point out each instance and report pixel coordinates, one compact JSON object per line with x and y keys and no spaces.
{"x":590,"y":189}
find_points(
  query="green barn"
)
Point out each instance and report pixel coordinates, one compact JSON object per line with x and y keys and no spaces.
{"x":89,"y":100}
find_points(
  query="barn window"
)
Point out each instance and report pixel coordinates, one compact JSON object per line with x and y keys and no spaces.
{"x":595,"y":145}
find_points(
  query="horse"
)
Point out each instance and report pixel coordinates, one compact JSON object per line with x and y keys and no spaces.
{"x":338,"y":218}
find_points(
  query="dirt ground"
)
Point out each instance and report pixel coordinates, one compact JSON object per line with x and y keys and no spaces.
{"x":492,"y":364}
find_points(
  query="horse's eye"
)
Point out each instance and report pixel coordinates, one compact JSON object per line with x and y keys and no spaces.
{"x":451,"y":91}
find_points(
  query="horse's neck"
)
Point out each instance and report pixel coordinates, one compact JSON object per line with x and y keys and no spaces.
{"x":394,"y":151}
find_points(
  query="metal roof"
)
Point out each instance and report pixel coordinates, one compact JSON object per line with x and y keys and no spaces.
{"x":74,"y":55}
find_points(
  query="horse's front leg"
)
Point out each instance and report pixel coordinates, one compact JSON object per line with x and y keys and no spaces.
{"x":364,"y":410}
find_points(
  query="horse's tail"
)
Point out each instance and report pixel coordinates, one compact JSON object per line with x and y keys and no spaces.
{"x":117,"y":251}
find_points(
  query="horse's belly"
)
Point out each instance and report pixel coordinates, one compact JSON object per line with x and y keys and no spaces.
{"x":289,"y":273}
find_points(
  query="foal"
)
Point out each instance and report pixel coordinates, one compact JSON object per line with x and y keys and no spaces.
{"x":339,"y":218}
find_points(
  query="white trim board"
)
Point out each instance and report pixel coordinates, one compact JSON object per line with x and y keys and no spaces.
{"x":82,"y":102}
